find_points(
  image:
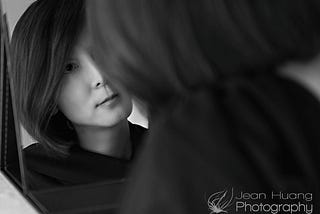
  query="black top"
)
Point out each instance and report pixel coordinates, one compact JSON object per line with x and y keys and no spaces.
{"x":253,"y":133}
{"x":79,"y":167}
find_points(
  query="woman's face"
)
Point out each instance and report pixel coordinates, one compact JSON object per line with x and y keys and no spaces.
{"x":85,"y":97}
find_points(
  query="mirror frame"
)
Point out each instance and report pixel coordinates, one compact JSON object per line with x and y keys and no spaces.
{"x":10,"y":143}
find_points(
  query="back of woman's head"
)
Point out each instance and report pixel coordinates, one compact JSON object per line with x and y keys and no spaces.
{"x":161,"y":50}
{"x":41,"y":43}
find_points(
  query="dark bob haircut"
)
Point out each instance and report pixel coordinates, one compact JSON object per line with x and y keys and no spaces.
{"x":42,"y":42}
{"x":162,"y":50}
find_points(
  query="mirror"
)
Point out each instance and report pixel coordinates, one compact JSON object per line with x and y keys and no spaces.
{"x":84,"y":181}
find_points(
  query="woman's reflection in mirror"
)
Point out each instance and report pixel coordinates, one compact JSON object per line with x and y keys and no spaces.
{"x":76,"y":115}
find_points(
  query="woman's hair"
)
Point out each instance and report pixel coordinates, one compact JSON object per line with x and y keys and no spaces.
{"x":41,"y":45}
{"x":162,"y":50}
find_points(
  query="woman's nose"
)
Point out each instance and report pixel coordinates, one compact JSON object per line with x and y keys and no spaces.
{"x":99,"y":84}
{"x":97,"y":79}
{"x":91,"y":72}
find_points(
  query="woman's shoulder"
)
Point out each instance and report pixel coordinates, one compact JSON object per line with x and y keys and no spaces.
{"x":35,"y":150}
{"x":78,"y":167}
{"x":254,"y":133}
{"x":35,"y":147}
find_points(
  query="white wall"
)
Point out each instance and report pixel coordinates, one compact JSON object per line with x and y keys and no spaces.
{"x":14,"y":9}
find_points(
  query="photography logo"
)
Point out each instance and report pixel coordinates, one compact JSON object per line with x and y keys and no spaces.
{"x":219,"y":202}
{"x":271,"y":202}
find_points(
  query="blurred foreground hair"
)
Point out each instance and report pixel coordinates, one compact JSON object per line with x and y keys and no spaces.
{"x":162,"y":50}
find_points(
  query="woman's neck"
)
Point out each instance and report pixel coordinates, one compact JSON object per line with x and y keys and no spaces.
{"x":112,"y":141}
{"x":307,"y":74}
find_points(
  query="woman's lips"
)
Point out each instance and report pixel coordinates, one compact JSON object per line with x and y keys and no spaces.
{"x":108,"y":99}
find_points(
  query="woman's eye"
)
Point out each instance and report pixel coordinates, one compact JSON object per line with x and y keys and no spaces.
{"x":71,"y":66}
